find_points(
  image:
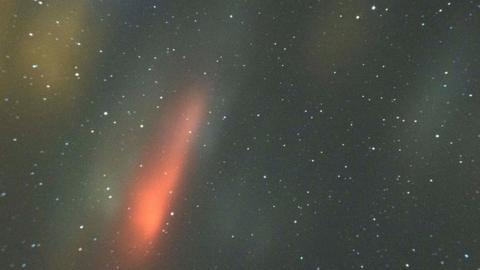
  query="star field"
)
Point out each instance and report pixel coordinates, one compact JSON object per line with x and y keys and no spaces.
{"x":244,"y":134}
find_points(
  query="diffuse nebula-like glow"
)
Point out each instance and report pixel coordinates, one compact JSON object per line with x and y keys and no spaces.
{"x":153,"y":190}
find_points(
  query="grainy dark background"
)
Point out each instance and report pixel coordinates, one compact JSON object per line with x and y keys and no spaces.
{"x":339,"y":134}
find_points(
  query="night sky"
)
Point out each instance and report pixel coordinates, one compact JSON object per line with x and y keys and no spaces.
{"x":269,"y":134}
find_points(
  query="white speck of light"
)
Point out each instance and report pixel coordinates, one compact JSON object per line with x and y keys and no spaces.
{"x":466,"y":256}
{"x":437,"y":135}
{"x":374,"y":7}
{"x":357,"y":17}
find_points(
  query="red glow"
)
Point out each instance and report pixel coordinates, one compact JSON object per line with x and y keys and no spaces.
{"x":158,"y":179}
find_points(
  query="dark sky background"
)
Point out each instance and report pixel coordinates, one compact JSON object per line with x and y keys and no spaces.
{"x":334,"y":134}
